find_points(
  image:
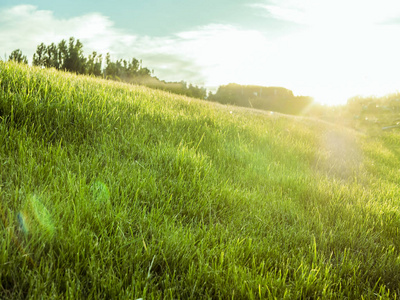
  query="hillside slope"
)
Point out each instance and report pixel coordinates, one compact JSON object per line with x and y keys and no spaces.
{"x":113,"y":191}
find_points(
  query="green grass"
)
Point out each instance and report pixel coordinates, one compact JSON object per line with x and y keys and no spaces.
{"x":112,"y":191}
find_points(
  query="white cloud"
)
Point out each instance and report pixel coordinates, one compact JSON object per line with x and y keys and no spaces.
{"x":322,"y":12}
{"x":25,"y":27}
{"x":209,"y":55}
{"x":283,"y":12}
{"x":223,"y":52}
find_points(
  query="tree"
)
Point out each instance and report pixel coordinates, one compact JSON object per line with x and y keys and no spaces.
{"x":144,"y":72}
{"x":38,"y":57}
{"x":93,"y":64}
{"x":62,"y":54}
{"x":51,"y":57}
{"x":267,"y":98}
{"x":134,"y":66}
{"x":74,"y":60}
{"x":68,"y":56}
{"x":17,"y":56}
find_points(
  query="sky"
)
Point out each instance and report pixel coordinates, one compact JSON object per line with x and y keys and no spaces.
{"x":331,"y":50}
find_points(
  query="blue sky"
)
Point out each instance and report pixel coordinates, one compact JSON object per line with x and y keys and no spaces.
{"x":331,"y":50}
{"x":158,"y":17}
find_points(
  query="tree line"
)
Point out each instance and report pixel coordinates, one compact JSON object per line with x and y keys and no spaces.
{"x":266,"y":98}
{"x":69,"y":56}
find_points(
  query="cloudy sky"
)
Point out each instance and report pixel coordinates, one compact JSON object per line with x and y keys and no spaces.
{"x":329,"y":49}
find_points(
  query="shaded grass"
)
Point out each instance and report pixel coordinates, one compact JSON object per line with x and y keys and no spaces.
{"x":202,"y":201}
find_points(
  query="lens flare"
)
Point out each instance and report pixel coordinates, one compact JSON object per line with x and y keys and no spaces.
{"x":100,"y":192}
{"x":35,"y":218}
{"x":343,"y":158}
{"x":23,"y":222}
{"x":42,"y":216}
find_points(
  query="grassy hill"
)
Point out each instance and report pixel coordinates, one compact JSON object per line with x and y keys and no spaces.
{"x":112,"y":191}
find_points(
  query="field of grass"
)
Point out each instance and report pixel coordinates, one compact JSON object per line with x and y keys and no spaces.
{"x":112,"y":191}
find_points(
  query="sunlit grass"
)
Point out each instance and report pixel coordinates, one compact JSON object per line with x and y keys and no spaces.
{"x":121,"y":192}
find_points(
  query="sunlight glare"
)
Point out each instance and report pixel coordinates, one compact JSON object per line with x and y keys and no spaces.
{"x":340,"y":49}
{"x":35,"y":218}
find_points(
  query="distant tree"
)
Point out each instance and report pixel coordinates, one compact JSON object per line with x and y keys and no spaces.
{"x":39,"y":56}
{"x":17,"y":56}
{"x":111,"y":69}
{"x":74,"y":60}
{"x":93,"y":64}
{"x":68,"y":56}
{"x":144,"y":72}
{"x":46,"y":56}
{"x":62,"y":54}
{"x":266,"y":98}
{"x":134,"y":66}
{"x":51,"y":59}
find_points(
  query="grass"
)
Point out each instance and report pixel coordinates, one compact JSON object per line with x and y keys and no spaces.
{"x":113,"y":191}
